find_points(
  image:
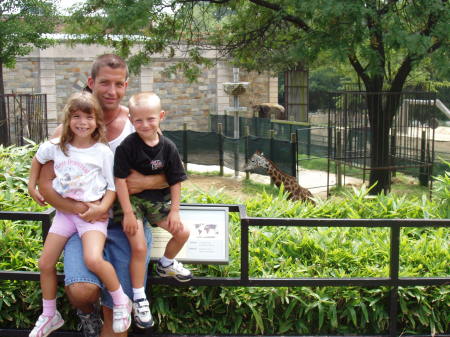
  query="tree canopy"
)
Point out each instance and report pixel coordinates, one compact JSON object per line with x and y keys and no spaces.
{"x":383,"y":41}
{"x":23,"y":25}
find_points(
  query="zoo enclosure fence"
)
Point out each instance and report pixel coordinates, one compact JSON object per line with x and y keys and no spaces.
{"x":393,"y":281}
{"x":23,"y":115}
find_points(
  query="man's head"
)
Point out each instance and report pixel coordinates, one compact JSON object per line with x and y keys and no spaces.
{"x":108,"y":81}
{"x":145,"y":112}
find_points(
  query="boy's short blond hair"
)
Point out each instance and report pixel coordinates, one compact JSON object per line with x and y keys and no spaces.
{"x":145,"y":99}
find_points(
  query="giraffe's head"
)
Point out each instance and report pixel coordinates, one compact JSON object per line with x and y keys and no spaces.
{"x":257,"y":160}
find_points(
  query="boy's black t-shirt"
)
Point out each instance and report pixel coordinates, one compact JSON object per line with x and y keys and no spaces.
{"x":134,"y":154}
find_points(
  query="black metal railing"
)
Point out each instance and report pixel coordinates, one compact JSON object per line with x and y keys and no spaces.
{"x":245,"y":280}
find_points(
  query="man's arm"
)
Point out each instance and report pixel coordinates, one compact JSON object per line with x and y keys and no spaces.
{"x":67,"y":205}
{"x":137,"y":182}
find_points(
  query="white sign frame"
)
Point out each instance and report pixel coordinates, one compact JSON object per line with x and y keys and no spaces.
{"x":208,"y":242}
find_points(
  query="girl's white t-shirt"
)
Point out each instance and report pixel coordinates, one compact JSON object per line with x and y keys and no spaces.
{"x":84,"y":174}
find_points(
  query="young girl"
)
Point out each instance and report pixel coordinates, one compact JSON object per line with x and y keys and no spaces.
{"x":83,"y":166}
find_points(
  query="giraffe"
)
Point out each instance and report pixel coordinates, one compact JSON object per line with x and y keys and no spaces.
{"x":296,"y":192}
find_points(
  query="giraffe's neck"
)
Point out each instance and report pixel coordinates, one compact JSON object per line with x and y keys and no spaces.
{"x":274,"y":173}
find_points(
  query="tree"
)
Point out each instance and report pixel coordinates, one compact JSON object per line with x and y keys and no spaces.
{"x":372,"y":36}
{"x":23,"y":24}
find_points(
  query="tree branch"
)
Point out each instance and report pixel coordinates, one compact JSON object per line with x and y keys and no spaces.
{"x":402,"y":74}
{"x":383,"y":10}
{"x":277,"y":8}
{"x":358,"y":68}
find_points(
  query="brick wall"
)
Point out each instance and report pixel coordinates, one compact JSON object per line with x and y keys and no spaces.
{"x":62,"y":70}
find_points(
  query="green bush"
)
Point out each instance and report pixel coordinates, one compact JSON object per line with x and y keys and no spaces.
{"x":274,"y":252}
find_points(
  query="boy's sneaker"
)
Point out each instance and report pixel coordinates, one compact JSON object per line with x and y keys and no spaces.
{"x":122,"y":317}
{"x":45,"y":325}
{"x":142,"y":315}
{"x":175,"y":270}
{"x":91,"y":324}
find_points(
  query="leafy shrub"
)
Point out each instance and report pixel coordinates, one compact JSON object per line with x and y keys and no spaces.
{"x":274,"y":252}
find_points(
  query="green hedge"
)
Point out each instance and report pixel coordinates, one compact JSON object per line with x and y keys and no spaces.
{"x":274,"y":252}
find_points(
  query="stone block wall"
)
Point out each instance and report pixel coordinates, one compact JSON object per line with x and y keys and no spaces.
{"x":61,"y":70}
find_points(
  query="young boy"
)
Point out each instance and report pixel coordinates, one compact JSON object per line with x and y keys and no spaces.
{"x":149,"y":152}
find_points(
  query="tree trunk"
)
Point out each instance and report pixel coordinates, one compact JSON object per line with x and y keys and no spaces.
{"x":382,"y":108}
{"x":3,"y":120}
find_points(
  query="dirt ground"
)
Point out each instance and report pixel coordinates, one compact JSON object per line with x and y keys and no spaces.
{"x":315,"y":181}
{"x":230,"y":186}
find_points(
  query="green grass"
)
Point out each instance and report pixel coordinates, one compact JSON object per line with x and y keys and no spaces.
{"x":253,"y":188}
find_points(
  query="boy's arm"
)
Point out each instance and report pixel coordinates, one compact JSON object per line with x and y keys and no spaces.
{"x":129,"y":221}
{"x":32,"y":182}
{"x":67,"y":205}
{"x":173,"y":218}
{"x":137,"y":182}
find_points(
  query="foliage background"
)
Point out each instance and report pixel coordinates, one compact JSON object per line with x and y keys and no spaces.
{"x":275,"y":252}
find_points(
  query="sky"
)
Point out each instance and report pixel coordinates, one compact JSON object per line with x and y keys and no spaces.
{"x":65,"y":4}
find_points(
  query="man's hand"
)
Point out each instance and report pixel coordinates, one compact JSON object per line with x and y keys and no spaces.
{"x":129,"y":223}
{"x":95,"y":212}
{"x":173,"y":221}
{"x":137,"y":182}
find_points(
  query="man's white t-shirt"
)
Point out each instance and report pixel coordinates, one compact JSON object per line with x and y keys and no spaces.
{"x":127,"y":129}
{"x":84,"y":174}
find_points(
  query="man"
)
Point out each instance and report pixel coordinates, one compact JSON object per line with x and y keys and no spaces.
{"x":108,"y":82}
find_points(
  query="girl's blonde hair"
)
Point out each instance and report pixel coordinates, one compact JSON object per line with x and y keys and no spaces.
{"x":87,"y":103}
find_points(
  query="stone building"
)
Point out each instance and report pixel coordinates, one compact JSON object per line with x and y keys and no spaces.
{"x":61,"y":70}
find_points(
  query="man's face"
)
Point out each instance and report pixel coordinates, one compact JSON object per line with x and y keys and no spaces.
{"x":109,"y":87}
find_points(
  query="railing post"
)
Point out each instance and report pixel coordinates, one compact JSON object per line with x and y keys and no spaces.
{"x":185,"y":145}
{"x":393,"y":275}
{"x":423,"y":176}
{"x":220,"y":134}
{"x":294,"y":154}
{"x":246,"y":134}
{"x":271,"y":148}
{"x":244,"y":251}
{"x":338,"y":161}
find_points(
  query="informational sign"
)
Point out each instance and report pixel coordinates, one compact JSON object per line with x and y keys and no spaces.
{"x":208,"y":241}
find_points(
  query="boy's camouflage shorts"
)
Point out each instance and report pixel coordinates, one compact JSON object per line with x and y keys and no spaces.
{"x":152,"y":211}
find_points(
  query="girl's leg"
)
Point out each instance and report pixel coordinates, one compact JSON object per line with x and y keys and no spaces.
{"x":53,"y":246}
{"x":93,"y":243}
{"x":50,"y":320}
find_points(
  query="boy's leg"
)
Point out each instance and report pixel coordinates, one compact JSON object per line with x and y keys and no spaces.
{"x":118,"y":252}
{"x":82,"y":287}
{"x":176,"y":243}
{"x":138,"y":270}
{"x":167,"y":265}
{"x":138,"y":263}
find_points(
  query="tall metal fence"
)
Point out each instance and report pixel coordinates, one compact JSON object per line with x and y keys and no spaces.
{"x":398,"y":128}
{"x":23,"y":115}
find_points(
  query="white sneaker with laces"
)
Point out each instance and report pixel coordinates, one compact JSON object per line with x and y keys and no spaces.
{"x":142,"y":315}
{"x":45,"y":325}
{"x":175,"y":270}
{"x":122,"y":317}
